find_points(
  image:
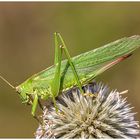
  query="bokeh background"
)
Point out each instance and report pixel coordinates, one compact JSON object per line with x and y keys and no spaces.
{"x":27,"y":46}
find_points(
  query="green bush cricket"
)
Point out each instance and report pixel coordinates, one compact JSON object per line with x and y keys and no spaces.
{"x":75,"y":71}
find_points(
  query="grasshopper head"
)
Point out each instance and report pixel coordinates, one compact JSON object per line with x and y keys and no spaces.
{"x":23,"y":95}
{"x":23,"y":90}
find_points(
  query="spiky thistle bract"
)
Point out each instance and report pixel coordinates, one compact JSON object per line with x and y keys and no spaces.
{"x":106,"y":115}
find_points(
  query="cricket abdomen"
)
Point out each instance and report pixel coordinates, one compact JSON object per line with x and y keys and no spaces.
{"x":70,"y":82}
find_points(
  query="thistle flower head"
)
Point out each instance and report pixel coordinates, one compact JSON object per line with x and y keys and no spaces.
{"x":99,"y":114}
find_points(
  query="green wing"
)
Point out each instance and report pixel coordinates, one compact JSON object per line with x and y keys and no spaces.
{"x":90,"y":64}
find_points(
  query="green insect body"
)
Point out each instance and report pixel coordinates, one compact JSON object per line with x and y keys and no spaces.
{"x":75,"y":71}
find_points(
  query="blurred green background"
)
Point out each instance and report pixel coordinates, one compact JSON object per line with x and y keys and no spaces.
{"x":27,"y":46}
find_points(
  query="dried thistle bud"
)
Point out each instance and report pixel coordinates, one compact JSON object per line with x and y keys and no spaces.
{"x":99,"y":114}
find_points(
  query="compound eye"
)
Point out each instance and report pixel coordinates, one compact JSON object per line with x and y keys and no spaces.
{"x":18,"y":90}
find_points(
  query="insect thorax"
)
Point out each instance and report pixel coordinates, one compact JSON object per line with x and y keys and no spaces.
{"x":30,"y":89}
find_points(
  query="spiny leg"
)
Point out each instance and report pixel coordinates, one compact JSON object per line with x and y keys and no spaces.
{"x":34,"y":107}
{"x":73,"y":67}
{"x":55,"y":86}
{"x":70,"y":62}
{"x":39,"y":102}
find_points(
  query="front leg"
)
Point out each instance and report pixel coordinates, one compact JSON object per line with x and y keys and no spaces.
{"x":34,"y":104}
{"x":34,"y":107}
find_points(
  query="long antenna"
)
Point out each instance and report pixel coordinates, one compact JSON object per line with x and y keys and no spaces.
{"x":7,"y":82}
